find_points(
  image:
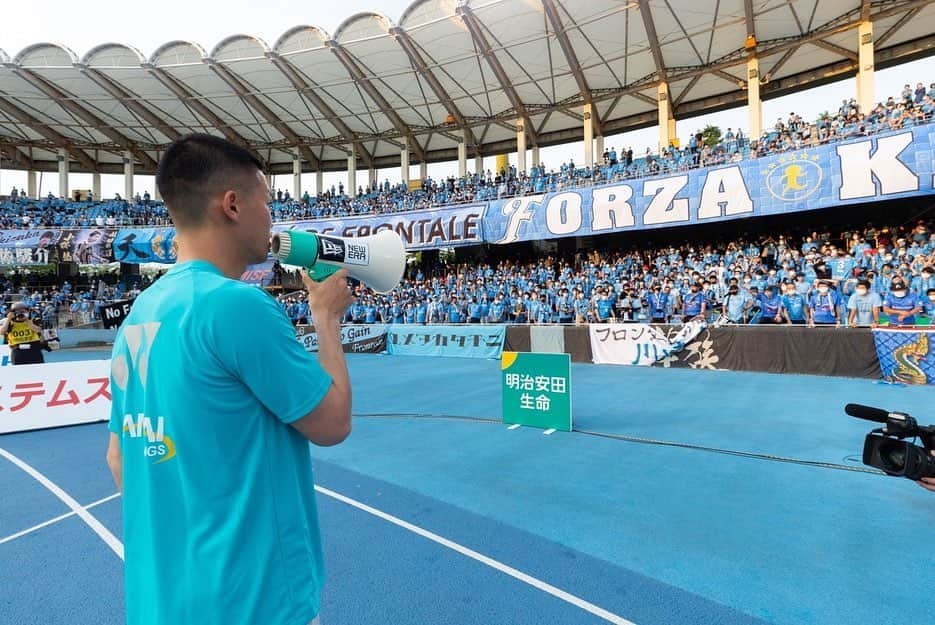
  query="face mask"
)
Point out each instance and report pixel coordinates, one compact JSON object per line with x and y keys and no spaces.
{"x":899,"y":293}
{"x":932,"y":298}
{"x":823,"y":290}
{"x":861,"y":292}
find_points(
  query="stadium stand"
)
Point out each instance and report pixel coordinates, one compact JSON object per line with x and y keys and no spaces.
{"x":913,"y":107}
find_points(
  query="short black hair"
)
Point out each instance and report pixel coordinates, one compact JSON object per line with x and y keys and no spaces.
{"x":193,"y":168}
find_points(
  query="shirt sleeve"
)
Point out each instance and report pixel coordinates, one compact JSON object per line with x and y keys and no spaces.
{"x":265,"y":355}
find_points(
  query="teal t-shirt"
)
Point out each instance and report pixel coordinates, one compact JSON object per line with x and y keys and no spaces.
{"x":219,"y":515}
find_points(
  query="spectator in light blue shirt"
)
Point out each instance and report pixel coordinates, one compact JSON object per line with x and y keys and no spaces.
{"x":863,"y":306}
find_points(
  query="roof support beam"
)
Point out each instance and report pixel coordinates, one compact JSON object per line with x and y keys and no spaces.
{"x":57,"y":139}
{"x":354,"y":69}
{"x":238,"y":85}
{"x":12,"y":154}
{"x":892,"y":30}
{"x":309,"y":93}
{"x":67,"y":101}
{"x":750,"y":18}
{"x":130,"y":102}
{"x":847,"y":54}
{"x":406,"y":43}
{"x":571,"y":57}
{"x":186,"y":96}
{"x":650,"y":26}
{"x":480,"y":40}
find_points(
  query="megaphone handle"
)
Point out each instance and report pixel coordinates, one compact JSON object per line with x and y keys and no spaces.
{"x":320,"y":271}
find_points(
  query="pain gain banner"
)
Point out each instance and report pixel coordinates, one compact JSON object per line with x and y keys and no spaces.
{"x":886,"y":166}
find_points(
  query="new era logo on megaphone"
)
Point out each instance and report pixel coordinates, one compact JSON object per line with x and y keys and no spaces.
{"x":378,"y":261}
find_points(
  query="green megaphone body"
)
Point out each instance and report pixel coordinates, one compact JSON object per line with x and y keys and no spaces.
{"x":378,"y":261}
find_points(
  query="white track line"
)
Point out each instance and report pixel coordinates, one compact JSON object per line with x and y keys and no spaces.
{"x":30,"y":530}
{"x":494,"y":564}
{"x":69,"y":501}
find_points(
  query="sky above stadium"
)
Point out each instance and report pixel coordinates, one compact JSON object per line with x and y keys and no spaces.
{"x":147,"y":25}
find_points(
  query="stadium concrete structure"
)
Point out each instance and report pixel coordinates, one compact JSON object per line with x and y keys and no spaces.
{"x":451,"y":81}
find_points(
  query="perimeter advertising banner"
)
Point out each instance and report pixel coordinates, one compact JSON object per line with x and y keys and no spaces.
{"x":54,"y":394}
{"x":355,"y":339}
{"x":470,"y":341}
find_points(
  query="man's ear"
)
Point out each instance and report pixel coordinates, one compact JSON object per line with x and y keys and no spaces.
{"x":230,"y":202}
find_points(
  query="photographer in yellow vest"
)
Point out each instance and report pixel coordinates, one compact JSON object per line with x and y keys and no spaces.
{"x":22,"y":335}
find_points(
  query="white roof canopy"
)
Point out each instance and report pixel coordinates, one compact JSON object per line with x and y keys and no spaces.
{"x":447,"y":66}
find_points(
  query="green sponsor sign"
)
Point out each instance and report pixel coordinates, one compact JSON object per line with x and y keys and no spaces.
{"x":537,"y":390}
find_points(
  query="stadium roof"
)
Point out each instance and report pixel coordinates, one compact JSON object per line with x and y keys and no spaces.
{"x":446,"y":66}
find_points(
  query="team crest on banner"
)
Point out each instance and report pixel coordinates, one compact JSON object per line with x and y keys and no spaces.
{"x":906,"y":356}
{"x":793,"y":177}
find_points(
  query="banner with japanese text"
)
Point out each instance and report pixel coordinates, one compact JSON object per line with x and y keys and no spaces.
{"x":906,"y":356}
{"x":469,"y":341}
{"x":638,"y":343}
{"x":54,"y":394}
{"x":145,"y":245}
{"x":536,"y":390}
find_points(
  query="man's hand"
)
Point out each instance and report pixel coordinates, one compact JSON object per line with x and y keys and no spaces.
{"x":328,"y":299}
{"x":928,"y":483}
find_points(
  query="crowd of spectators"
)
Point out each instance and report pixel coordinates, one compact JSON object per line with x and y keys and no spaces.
{"x":862,"y":277}
{"x":913,"y":107}
{"x":65,"y":305}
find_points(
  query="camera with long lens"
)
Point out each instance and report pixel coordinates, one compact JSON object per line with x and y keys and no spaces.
{"x":891,"y":448}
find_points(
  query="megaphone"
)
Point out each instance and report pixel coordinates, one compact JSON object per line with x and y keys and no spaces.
{"x":378,"y":261}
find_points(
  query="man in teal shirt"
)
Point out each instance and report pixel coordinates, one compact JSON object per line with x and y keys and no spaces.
{"x":210,"y":425}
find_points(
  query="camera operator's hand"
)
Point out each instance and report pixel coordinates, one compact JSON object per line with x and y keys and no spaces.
{"x":928,"y":483}
{"x":328,"y":300}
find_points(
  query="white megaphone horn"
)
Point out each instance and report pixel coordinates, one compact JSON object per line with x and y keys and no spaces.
{"x":378,"y":261}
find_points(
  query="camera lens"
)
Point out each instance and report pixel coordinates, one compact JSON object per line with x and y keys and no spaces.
{"x":893,"y":456}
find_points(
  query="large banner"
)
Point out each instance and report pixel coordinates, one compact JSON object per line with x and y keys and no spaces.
{"x":355,"y":339}
{"x":874,"y":168}
{"x":427,"y":229}
{"x":146,"y":245}
{"x":885,"y":166}
{"x":906,"y":355}
{"x":638,"y":343}
{"x":54,"y":394}
{"x":40,"y":247}
{"x":469,"y":341}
